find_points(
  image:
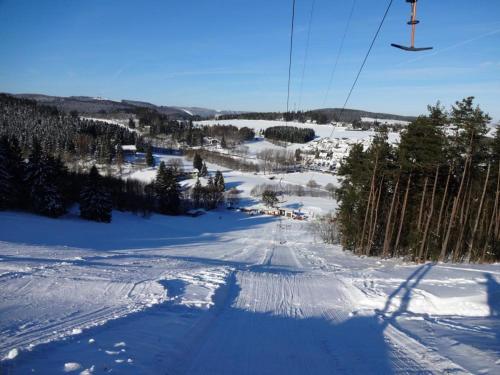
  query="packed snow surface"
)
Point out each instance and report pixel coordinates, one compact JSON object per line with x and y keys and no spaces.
{"x":230,"y":293}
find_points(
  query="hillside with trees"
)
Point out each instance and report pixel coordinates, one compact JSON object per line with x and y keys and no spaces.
{"x":59,"y":133}
{"x":434,"y":196}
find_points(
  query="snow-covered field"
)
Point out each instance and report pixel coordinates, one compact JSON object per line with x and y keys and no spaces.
{"x":228,"y":293}
{"x":333,"y":142}
{"x":321,"y":131}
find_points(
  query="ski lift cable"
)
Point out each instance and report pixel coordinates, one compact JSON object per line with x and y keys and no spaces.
{"x":287,"y":100}
{"x":363,"y":63}
{"x":290,"y":58}
{"x":306,"y":54}
{"x":339,"y":52}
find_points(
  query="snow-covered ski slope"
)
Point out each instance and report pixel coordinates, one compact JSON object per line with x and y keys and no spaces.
{"x":227,"y":293}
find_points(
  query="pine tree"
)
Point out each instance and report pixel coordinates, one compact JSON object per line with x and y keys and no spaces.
{"x":197,"y":162}
{"x":42,"y":176}
{"x":150,"y":161}
{"x":95,"y":201}
{"x":12,"y":194}
{"x":223,"y":142}
{"x":119,"y":158}
{"x":472,"y":125}
{"x":197,"y":193}
{"x":213,"y":196}
{"x":219,"y":181}
{"x":434,"y":196}
{"x":167,"y":191}
{"x":269,"y":198}
{"x":7,"y":185}
{"x":131,"y":123}
{"x":204,"y":170}
{"x":105,"y":151}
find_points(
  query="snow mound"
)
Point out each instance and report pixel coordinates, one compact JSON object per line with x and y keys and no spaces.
{"x":13,"y":353}
{"x":72,"y":366}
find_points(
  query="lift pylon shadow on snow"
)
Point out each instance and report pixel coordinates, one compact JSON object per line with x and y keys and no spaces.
{"x":413,"y":22}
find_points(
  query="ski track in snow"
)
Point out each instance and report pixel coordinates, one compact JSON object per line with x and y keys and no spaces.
{"x":230,"y":294}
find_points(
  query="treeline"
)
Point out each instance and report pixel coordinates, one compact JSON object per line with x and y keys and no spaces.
{"x":318,"y":116}
{"x":229,"y":133}
{"x":161,"y":124}
{"x":209,"y":196}
{"x":184,"y":131}
{"x":276,"y":160}
{"x":269,"y":160}
{"x":434,"y":196}
{"x":223,"y":160}
{"x":59,"y":133}
{"x":43,"y":185}
{"x":289,"y":134}
{"x":299,"y":116}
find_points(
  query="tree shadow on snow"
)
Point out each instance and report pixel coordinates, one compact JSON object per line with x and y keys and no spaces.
{"x":126,"y":231}
{"x":231,"y":339}
{"x":233,"y":184}
{"x":481,"y":333}
{"x":245,"y":341}
{"x":493,"y":295}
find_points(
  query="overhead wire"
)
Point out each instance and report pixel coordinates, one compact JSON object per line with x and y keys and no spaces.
{"x":339,"y":53}
{"x":363,"y":63}
{"x":292,"y":26}
{"x":306,"y":53}
{"x":290,"y":59}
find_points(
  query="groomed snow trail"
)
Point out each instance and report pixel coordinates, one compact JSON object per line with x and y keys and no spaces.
{"x":282,"y":316}
{"x":240,"y":300}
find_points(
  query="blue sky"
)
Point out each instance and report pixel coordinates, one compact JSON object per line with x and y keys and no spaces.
{"x":233,"y":54}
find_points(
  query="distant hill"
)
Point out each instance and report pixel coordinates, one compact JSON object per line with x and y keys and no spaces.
{"x":82,"y":104}
{"x":207,"y":113}
{"x":91,"y":106}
